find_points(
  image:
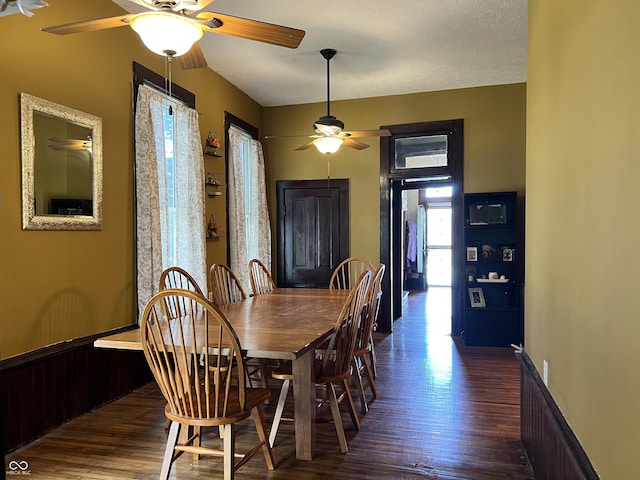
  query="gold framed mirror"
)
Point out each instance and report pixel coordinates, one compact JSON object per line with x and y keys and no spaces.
{"x":61,"y":166}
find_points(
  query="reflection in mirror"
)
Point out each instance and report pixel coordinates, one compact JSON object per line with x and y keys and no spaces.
{"x":61,"y":167}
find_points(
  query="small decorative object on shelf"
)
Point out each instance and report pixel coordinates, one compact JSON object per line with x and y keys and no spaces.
{"x":214,"y":228}
{"x":212,"y":185}
{"x":212,"y":145}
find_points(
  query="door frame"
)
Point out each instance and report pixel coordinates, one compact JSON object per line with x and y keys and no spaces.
{"x":392,"y":182}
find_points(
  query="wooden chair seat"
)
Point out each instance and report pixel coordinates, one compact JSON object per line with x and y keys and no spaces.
{"x":234,"y":412}
{"x":284,"y":373}
{"x":324,"y":371}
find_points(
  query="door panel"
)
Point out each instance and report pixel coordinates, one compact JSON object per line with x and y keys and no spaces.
{"x":308,"y":261}
{"x":313,"y":231}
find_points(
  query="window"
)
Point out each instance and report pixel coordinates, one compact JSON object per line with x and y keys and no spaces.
{"x":169,"y":177}
{"x":421,"y":152}
{"x":170,"y":208}
{"x":248,"y":216}
{"x":249,"y":171}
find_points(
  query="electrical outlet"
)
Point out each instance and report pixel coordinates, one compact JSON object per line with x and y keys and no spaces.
{"x":545,"y":373}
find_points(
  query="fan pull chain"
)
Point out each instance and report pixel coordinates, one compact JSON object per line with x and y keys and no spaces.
{"x":167,"y":76}
{"x":330,"y":214}
{"x":328,"y":175}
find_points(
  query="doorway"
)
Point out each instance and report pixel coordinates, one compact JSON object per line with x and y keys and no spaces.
{"x":418,"y":157}
{"x":428,"y":214}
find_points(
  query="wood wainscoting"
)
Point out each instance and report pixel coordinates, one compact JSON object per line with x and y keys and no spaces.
{"x":43,"y":389}
{"x":552,"y":448}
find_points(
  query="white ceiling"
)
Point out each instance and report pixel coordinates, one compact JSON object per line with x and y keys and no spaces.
{"x":385,"y":47}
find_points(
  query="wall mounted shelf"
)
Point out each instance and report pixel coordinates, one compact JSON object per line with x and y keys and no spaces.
{"x":212,"y":185}
{"x":211,"y":146}
{"x":214,"y":227}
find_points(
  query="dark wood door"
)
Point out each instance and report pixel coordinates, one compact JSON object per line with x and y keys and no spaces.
{"x":313,"y":230}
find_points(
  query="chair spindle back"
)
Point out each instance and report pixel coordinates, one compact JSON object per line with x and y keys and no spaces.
{"x":339,"y":352}
{"x":183,"y":352}
{"x":261,"y":280}
{"x":348,"y":272}
{"x":225,"y":286}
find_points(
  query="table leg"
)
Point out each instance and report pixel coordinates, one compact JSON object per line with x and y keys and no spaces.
{"x":304,"y":399}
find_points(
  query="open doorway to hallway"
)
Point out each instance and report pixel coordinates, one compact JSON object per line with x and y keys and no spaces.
{"x":427,"y":266}
{"x":418,"y":156}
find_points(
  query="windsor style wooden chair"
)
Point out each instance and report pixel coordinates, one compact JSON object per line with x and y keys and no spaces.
{"x":180,"y":352}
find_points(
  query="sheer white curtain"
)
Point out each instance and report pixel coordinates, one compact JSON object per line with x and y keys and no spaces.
{"x":167,"y":234}
{"x":248,"y":225}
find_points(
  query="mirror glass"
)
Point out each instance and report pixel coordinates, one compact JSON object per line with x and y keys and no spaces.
{"x":61,"y":167}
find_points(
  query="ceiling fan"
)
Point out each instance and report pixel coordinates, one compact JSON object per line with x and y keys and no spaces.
{"x":170,"y":28}
{"x":330,"y":134}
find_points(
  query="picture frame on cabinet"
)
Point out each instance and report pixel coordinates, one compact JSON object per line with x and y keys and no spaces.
{"x":472,"y":254}
{"x":488,"y":252}
{"x":508,"y":254}
{"x":476,"y":298}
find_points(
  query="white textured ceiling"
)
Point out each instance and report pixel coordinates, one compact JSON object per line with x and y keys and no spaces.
{"x":385,"y":47}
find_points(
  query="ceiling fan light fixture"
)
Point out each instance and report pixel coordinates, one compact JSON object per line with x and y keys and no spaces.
{"x":328,"y":144}
{"x":166,"y":33}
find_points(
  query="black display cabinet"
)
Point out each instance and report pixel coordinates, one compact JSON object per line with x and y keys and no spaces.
{"x":492,"y":313}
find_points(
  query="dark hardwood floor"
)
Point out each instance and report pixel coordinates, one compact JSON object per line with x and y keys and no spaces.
{"x":444,"y":411}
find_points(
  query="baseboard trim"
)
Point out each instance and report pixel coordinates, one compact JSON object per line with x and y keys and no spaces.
{"x":553,"y":450}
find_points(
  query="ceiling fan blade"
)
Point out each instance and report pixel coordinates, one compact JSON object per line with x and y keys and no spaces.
{"x":251,"y":29}
{"x":358,"y":145}
{"x":90,"y":25}
{"x":306,"y":145}
{"x":194,"y":58}
{"x":367,"y":133}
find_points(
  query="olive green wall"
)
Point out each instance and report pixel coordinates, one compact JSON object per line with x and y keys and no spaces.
{"x":583,"y":167}
{"x":61,"y":285}
{"x":494,"y":146}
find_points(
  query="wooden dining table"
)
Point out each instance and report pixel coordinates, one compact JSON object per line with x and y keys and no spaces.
{"x":286,"y":324}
